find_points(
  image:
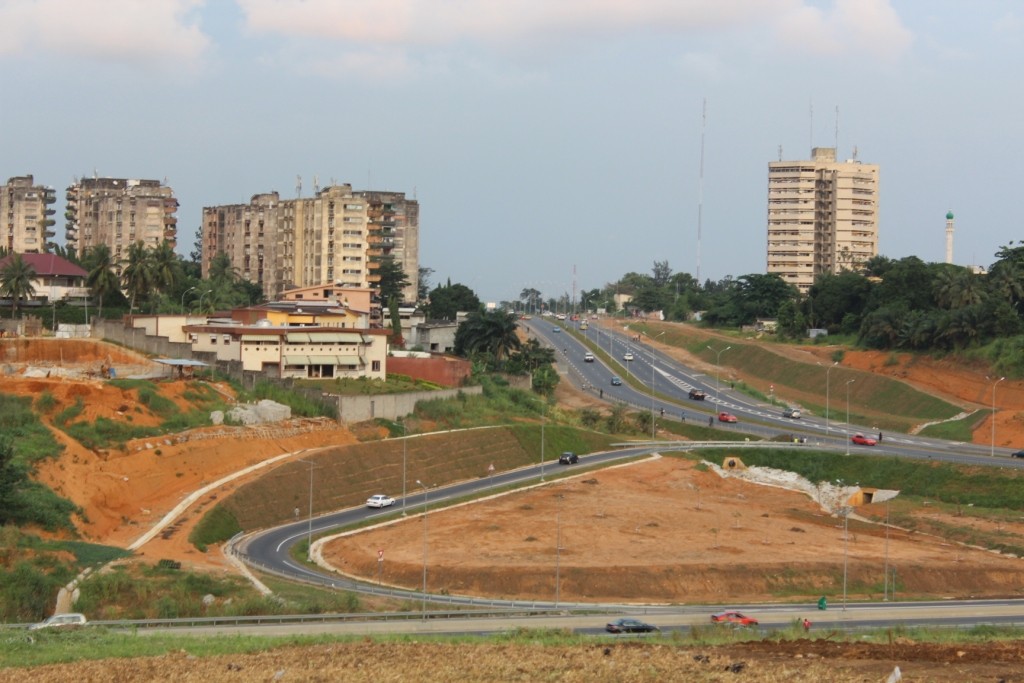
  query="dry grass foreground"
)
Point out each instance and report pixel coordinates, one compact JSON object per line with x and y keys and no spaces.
{"x":801,"y":661}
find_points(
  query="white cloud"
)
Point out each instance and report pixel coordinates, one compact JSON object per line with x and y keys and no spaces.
{"x":126,"y":31}
{"x":868,"y":27}
{"x":532,"y":27}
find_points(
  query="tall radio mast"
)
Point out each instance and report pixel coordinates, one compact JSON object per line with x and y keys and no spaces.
{"x":700,"y":183}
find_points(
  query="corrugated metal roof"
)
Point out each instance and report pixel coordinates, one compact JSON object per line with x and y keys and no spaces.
{"x":260,"y":337}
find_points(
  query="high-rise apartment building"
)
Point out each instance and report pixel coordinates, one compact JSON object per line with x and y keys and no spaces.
{"x":25,"y":216}
{"x":119,"y":212}
{"x":822,"y":216}
{"x":334,"y":237}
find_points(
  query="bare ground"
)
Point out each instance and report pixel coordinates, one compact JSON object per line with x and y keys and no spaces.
{"x":647,"y":518}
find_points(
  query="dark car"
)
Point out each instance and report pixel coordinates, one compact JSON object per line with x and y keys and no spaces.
{"x":1017,"y":454}
{"x":697,"y":395}
{"x":630,"y":626}
{"x":616,"y":382}
{"x":568,"y":458}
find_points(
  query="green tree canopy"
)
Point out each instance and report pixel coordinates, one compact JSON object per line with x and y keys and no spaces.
{"x":449,"y":300}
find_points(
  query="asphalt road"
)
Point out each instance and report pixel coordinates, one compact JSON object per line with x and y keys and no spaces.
{"x":271,"y":549}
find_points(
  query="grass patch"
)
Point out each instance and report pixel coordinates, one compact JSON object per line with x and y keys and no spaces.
{"x":216,"y":526}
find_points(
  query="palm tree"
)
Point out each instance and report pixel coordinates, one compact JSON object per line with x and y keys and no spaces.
{"x":101,"y":280}
{"x":16,"y":280}
{"x":138,"y":276}
{"x":492,"y":333}
{"x":166,"y":267}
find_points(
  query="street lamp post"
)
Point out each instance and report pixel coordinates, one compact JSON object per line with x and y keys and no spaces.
{"x":827,"y":392}
{"x":718,"y":359}
{"x":424,"y":596}
{"x":183,"y":298}
{"x":652,"y":383}
{"x":405,"y":453}
{"x":309,"y":533}
{"x":993,"y":449}
{"x":846,"y":549}
{"x":201,"y":299}
{"x":885,"y":590}
{"x":848,"y":383}
{"x":543,"y":424}
{"x":558,"y":551}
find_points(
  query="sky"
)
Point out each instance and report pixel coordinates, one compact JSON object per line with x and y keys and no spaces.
{"x":551,"y":144}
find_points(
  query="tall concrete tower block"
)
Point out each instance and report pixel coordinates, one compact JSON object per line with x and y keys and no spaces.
{"x":949,"y":237}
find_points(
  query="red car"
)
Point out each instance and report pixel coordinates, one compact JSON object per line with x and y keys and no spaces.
{"x":862,"y":440}
{"x":726,"y":417}
{"x":737,"y":618}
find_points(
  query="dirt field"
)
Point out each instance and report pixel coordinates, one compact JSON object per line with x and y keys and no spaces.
{"x":666,"y":529}
{"x":801,"y":661}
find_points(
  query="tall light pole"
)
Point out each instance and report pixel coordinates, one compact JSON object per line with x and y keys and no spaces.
{"x":200,"y":309}
{"x":993,"y":450}
{"x":183,"y":298}
{"x":848,"y":383}
{"x":827,"y":387}
{"x":309,"y":533}
{"x":718,"y":360}
{"x":846,"y":549}
{"x":405,"y":453}
{"x":543,"y":423}
{"x":424,"y":600}
{"x":652,"y":382}
{"x":558,"y":551}
{"x":885,"y":593}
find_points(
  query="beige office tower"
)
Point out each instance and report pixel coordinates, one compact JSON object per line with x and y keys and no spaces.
{"x":822,"y":216}
{"x":332,"y":238}
{"x":119,"y":212}
{"x":25,"y":216}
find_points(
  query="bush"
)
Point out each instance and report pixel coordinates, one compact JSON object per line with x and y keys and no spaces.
{"x":216,"y":526}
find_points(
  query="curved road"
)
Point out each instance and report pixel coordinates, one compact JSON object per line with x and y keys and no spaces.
{"x":270,"y":550}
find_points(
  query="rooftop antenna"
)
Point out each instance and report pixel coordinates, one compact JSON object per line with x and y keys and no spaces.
{"x":810,"y":116}
{"x":837,"y":128}
{"x":855,"y":152}
{"x":780,"y":152}
{"x":700,"y":182}
{"x":298,"y":186}
{"x":316,"y":184}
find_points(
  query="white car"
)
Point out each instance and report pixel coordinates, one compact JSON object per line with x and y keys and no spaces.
{"x":72,"y":619}
{"x":628,"y":356}
{"x":588,"y":357}
{"x":379,"y":501}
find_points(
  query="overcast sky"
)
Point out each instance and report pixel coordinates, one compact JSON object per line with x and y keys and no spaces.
{"x":539,"y":136}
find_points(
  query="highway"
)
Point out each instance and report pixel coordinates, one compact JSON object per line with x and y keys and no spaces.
{"x":270,"y":550}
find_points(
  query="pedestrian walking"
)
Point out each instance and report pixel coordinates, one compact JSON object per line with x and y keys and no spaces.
{"x":711,"y":421}
{"x":879,"y":437}
{"x":807,"y":624}
{"x":682,"y":417}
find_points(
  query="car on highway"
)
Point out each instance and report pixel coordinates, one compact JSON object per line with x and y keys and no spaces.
{"x":862,"y":440}
{"x":61,"y":621}
{"x":627,"y":356}
{"x":736,"y":618}
{"x":616,"y":382}
{"x":588,"y":357}
{"x":697,"y":395}
{"x":630,"y":626}
{"x":1017,"y":454}
{"x":791,"y":413}
{"x":568,"y":458}
{"x":726,"y":417}
{"x":379,"y":501}
{"x":556,"y":330}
